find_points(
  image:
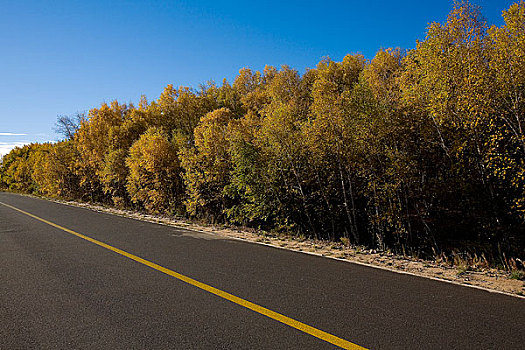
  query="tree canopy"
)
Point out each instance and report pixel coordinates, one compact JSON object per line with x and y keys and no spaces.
{"x":419,"y":151}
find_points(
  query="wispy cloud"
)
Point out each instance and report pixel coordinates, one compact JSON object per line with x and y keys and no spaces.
{"x":6,"y":147}
{"x":11,"y":134}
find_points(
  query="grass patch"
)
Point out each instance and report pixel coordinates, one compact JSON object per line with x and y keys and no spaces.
{"x":462,"y":269}
{"x":517,"y":275}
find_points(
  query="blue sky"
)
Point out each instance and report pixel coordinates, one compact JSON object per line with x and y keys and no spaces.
{"x":60,"y":57}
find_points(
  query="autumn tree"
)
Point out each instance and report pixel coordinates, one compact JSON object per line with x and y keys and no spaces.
{"x":506,"y":47}
{"x":154,"y":173}
{"x":207,"y":166}
{"x":421,"y":152}
{"x":96,"y":140}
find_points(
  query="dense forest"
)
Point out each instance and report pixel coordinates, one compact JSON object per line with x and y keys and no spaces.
{"x":419,"y":151}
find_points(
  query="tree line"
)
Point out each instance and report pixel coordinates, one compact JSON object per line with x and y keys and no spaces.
{"x":418,"y":151}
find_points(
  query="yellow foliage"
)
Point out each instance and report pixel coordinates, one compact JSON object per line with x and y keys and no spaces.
{"x":153,"y":179}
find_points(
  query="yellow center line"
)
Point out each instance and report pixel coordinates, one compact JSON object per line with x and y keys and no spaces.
{"x":225,"y":295}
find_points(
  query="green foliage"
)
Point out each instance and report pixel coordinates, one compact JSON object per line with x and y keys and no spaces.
{"x":517,"y":275}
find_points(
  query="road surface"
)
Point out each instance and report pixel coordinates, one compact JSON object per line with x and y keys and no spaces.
{"x":72,"y":278}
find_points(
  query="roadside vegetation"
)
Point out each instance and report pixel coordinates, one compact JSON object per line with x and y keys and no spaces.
{"x":418,"y":152}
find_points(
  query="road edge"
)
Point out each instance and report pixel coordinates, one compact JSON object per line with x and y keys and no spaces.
{"x":111,"y":211}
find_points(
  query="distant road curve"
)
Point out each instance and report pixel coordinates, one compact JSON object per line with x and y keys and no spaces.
{"x":75,"y":278}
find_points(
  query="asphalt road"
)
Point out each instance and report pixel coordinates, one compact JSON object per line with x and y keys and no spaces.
{"x":60,"y":291}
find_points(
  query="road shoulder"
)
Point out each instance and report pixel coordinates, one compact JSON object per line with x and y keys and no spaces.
{"x":490,"y":279}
